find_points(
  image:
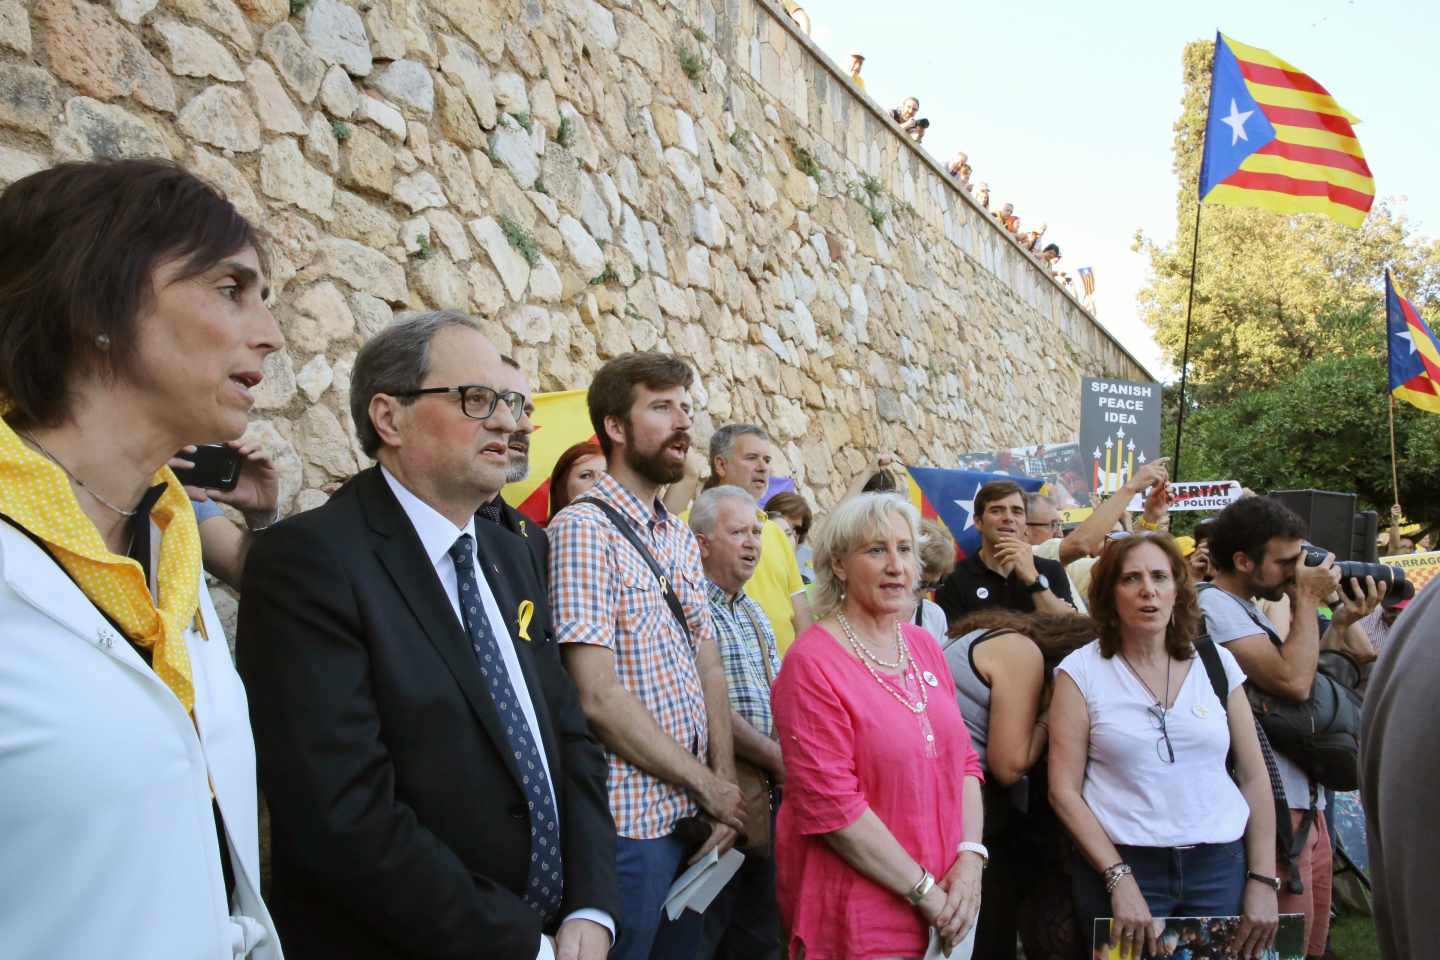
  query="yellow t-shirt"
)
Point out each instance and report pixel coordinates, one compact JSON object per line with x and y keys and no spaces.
{"x":776,"y":580}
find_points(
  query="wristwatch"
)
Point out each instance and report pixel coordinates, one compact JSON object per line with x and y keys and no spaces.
{"x":1271,"y":882}
{"x":1041,"y":582}
{"x":918,"y":892}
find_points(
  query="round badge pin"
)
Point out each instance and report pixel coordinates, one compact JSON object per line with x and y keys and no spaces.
{"x":983,"y":593}
{"x":931,"y":679}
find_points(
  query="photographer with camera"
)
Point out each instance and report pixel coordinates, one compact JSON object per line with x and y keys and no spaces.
{"x":1257,"y":551}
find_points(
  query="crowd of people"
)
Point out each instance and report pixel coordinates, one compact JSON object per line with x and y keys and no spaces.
{"x":477,"y":735}
{"x":907,"y":117}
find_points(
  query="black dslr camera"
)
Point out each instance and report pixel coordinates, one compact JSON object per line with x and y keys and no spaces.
{"x":1355,"y":570}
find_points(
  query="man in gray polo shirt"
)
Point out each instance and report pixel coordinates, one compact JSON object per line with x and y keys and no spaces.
{"x":1255,"y":545}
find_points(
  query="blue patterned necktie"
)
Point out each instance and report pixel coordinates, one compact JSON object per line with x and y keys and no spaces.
{"x":543,"y":891}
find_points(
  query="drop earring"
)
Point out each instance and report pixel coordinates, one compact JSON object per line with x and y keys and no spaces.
{"x":102,"y":341}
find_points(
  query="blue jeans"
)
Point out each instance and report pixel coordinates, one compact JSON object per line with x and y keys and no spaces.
{"x":1206,"y":880}
{"x":645,"y":870}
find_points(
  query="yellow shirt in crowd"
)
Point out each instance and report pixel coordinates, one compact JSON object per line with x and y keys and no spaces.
{"x":777,"y":579}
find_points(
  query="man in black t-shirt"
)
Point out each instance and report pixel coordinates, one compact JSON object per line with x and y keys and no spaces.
{"x":1004,"y":572}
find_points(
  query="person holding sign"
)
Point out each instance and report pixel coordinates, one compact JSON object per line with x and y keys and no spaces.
{"x":1138,"y":750}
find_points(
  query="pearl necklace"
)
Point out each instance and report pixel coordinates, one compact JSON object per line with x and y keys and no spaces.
{"x":906,"y":664}
{"x":866,"y":653}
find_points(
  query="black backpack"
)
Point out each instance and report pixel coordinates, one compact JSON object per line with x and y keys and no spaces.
{"x":1322,"y":734}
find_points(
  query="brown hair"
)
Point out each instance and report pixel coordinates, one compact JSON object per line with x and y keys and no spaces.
{"x":1185,"y":620}
{"x":993,"y":491}
{"x":612,"y":392}
{"x":560,"y":476}
{"x":79,"y":245}
{"x":795,"y":509}
{"x":1056,"y":634}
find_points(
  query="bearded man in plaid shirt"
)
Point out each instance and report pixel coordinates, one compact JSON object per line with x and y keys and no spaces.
{"x":652,"y":687}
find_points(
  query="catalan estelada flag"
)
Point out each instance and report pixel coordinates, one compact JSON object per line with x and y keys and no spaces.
{"x":949,"y":496}
{"x":1414,"y":352}
{"x":561,"y":421}
{"x":1277,"y":140}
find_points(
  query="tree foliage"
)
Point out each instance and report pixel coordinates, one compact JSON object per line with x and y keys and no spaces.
{"x":1324,"y":428}
{"x":1273,"y":293}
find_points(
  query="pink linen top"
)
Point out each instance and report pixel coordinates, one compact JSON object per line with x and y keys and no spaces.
{"x":850,"y":746}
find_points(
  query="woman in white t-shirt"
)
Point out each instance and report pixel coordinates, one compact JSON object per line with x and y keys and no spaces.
{"x":1138,"y":749}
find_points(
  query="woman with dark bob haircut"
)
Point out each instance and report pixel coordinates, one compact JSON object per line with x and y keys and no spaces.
{"x":132,"y":323}
{"x":1138,"y":748}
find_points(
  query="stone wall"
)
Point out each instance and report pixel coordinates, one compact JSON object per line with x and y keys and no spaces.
{"x":589,"y":178}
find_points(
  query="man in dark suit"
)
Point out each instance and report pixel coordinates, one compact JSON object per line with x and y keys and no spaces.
{"x":434,"y":790}
{"x":497,"y":510}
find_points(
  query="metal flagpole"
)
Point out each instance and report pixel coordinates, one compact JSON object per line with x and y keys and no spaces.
{"x":1185,"y":352}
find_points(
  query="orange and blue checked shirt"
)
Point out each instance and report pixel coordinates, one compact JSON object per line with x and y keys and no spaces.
{"x":603,"y":592}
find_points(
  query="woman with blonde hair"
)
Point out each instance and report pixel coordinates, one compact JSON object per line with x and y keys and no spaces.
{"x":877,"y":839}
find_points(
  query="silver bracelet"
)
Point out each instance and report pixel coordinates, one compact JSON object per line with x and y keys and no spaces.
{"x":1114,"y":874}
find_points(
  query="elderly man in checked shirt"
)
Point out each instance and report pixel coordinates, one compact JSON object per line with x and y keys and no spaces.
{"x":652,"y":686}
{"x":743,"y":923}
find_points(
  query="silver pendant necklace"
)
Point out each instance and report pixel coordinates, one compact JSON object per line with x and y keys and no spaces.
{"x":78,"y":482}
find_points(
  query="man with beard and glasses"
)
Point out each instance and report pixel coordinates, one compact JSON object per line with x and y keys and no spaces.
{"x":497,"y":510}
{"x":653,"y":687}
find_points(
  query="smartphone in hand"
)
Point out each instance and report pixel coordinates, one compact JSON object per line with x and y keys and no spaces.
{"x":216,"y":467}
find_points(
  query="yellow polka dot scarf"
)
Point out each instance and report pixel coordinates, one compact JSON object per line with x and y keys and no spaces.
{"x":36,"y":494}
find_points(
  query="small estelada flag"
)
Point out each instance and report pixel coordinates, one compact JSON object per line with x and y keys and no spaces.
{"x":1414,"y":352}
{"x":1276,"y":139}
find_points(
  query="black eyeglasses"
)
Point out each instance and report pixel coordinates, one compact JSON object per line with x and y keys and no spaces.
{"x":477,"y":402}
{"x":1163,"y":747}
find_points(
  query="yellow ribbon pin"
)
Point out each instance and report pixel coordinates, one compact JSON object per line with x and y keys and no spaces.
{"x":523,"y":616}
{"x":524,"y":533}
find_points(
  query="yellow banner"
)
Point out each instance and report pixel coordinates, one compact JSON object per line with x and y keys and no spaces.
{"x":1418,"y":567}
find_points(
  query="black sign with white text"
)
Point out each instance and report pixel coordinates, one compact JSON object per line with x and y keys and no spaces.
{"x":1119,"y":430}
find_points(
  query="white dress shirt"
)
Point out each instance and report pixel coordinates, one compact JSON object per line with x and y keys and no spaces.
{"x":437,"y":535}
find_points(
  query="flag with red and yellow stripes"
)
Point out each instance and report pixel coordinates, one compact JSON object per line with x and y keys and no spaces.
{"x":1276,"y":139}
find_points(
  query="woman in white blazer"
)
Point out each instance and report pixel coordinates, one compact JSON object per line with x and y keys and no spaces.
{"x":132,"y":323}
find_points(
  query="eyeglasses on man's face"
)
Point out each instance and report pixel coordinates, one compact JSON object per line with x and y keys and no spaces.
{"x":477,"y":402}
{"x":1054,"y":526}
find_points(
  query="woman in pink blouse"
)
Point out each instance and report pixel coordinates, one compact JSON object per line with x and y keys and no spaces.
{"x":877,"y":839}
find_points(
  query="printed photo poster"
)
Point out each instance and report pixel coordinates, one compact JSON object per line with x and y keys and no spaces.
{"x":1205,"y":938}
{"x":1119,"y":430}
{"x":1058,"y":464}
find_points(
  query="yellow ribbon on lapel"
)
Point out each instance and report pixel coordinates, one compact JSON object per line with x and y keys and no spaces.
{"x":524,"y":533}
{"x":523,"y":616}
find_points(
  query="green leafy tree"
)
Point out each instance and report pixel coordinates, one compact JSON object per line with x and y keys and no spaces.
{"x":1273,"y":293}
{"x":1325,"y":428}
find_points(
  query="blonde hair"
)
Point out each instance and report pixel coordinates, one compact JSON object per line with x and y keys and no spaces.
{"x":937,"y":550}
{"x":854,"y":522}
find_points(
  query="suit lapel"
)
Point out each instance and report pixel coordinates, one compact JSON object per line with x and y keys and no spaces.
{"x":399,"y":550}
{"x":505,"y":566}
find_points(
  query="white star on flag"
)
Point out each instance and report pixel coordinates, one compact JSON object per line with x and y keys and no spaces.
{"x":969,"y":507}
{"x":1409,"y":339}
{"x":1236,"y":123}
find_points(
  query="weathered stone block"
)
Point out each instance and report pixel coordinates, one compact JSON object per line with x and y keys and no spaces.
{"x":336,"y":34}
{"x":100,"y":56}
{"x":302,"y":69}
{"x":220,"y":116}
{"x":194,"y":53}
